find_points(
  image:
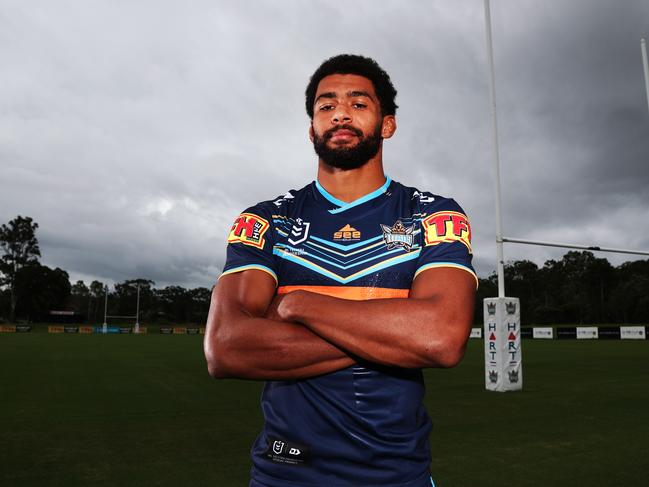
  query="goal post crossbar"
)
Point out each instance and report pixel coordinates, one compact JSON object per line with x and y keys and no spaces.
{"x":573,"y":246}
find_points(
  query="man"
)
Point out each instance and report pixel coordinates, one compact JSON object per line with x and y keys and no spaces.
{"x":338,"y":294}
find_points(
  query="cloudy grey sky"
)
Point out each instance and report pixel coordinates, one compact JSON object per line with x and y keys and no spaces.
{"x":134,"y":132}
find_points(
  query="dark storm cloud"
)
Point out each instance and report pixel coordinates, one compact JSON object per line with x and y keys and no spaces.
{"x":135,"y":133}
{"x":574,"y":122}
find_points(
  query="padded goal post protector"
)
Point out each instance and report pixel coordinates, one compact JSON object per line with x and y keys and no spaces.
{"x":502,"y":341}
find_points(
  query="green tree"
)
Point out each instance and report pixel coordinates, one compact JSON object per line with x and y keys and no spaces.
{"x":629,"y":301}
{"x":174,"y":303}
{"x":80,"y":298}
{"x":521,"y":278}
{"x":201,"y":297}
{"x":97,"y":294}
{"x":126,"y":293}
{"x":20,"y":247}
{"x":41,"y":289}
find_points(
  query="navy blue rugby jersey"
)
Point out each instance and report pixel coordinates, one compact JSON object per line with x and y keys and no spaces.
{"x":366,"y":424}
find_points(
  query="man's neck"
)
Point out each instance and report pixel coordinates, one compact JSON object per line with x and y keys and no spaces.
{"x":350,"y":185}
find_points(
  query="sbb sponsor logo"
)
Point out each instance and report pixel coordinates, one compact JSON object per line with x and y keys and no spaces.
{"x":447,"y":226}
{"x":347,"y":233}
{"x":249,"y":229}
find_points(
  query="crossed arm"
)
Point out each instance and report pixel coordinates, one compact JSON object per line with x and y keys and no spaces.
{"x":253,"y":334}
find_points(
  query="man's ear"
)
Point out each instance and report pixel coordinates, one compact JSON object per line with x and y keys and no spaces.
{"x":311,"y":133}
{"x":389,"y":126}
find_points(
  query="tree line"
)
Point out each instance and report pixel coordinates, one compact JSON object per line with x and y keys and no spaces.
{"x":30,"y":291}
{"x":580,"y":288}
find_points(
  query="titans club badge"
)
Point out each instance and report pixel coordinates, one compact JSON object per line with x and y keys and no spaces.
{"x":398,"y":235}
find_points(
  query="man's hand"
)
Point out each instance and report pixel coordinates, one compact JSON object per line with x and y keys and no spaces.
{"x":277,"y":310}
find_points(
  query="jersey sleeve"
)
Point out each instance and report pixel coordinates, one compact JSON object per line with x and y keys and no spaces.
{"x":250,"y":243}
{"x":446,"y":239}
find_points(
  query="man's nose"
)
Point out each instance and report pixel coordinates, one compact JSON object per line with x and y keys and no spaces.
{"x":341,"y":115}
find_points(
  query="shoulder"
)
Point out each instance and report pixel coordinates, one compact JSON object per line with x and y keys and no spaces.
{"x":278,"y":205}
{"x":442,"y":219}
{"x":427,"y":202}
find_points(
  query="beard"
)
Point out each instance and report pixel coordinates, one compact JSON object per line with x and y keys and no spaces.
{"x":347,"y":158}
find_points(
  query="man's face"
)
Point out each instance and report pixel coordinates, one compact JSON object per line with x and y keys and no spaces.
{"x":347,"y":127}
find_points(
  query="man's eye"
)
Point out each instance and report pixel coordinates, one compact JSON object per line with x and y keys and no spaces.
{"x":360,"y":105}
{"x":324,"y":108}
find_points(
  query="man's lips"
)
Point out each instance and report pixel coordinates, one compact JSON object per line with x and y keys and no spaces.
{"x":342,"y":134}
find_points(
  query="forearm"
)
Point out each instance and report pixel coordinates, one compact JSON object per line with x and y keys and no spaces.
{"x":408,"y":333}
{"x":263,"y":349}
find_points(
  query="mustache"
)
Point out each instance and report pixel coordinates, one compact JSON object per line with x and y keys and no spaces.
{"x":329,"y":133}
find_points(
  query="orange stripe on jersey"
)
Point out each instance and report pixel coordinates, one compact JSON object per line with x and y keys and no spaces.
{"x":349,"y":292}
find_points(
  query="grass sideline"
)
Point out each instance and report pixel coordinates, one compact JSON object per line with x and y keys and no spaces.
{"x":107,"y":410}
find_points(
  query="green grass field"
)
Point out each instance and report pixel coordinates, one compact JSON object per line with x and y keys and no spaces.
{"x":125,"y":410}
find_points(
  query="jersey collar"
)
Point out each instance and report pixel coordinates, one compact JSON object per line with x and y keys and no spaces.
{"x":343,"y":206}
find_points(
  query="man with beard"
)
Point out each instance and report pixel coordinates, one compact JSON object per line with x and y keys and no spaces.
{"x":338,"y":294}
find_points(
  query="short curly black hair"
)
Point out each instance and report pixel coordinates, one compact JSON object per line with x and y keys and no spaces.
{"x":362,"y":66}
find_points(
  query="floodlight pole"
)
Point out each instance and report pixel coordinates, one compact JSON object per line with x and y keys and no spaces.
{"x":645,"y":63}
{"x":496,"y":155}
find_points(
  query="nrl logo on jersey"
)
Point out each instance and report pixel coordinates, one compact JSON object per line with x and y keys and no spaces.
{"x":398,"y":235}
{"x":299,"y":231}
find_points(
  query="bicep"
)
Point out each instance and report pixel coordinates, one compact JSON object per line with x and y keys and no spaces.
{"x":250,"y":291}
{"x":235,"y":296}
{"x":452,"y":289}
